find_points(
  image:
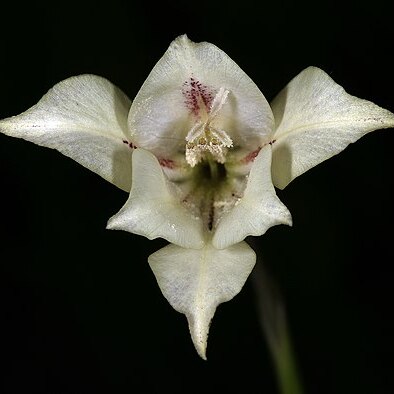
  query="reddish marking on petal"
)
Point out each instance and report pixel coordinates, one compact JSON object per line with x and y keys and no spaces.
{"x":167,"y":163}
{"x":251,"y":156}
{"x":195,"y":94}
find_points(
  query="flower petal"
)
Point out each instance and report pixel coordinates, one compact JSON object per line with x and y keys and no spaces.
{"x":85,"y":118}
{"x":257,"y":211}
{"x":195,"y":282}
{"x":153,"y":210}
{"x":315,"y":120}
{"x":159,"y":117}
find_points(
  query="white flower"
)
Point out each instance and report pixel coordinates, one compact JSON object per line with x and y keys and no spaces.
{"x":197,"y":149}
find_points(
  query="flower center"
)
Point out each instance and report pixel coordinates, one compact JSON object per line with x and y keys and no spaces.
{"x":211,"y":188}
{"x":212,"y":192}
{"x":206,"y":140}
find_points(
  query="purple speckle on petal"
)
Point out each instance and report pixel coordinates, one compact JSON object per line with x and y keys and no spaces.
{"x":130,"y":144}
{"x":168,"y":163}
{"x":197,"y":94}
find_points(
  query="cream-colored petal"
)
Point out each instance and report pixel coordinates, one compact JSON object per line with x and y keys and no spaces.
{"x":153,"y":210}
{"x":257,"y":211}
{"x":315,"y":120}
{"x":187,"y":76}
{"x":195,"y":282}
{"x":85,"y":118}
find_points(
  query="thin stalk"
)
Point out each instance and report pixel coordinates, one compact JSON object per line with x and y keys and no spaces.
{"x":272,"y":316}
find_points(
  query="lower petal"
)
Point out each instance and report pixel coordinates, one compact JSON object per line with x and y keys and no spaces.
{"x":195,"y":282}
{"x":153,"y":210}
{"x":257,"y":211}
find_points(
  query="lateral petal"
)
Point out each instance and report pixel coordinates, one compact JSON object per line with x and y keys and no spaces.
{"x":152,"y":209}
{"x":195,"y":282}
{"x":258,"y":209}
{"x":315,"y":120}
{"x":85,"y":118}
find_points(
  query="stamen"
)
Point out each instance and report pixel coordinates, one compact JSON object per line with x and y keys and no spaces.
{"x":223,"y":137}
{"x":195,"y":132}
{"x":204,"y":137}
{"x":218,"y":102}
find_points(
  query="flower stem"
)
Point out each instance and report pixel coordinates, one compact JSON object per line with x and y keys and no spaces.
{"x":272,"y":317}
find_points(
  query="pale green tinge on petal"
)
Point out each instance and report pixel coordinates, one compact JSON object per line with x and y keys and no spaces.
{"x":85,"y":118}
{"x":162,"y":112}
{"x":195,"y":282}
{"x":257,"y":211}
{"x":315,"y":120}
{"x":153,"y":210}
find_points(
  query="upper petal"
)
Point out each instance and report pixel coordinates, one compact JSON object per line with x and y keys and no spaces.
{"x":258,"y":209}
{"x":187,"y":76}
{"x":195,"y":282}
{"x":85,"y":118}
{"x":315,"y":120}
{"x":153,"y":210}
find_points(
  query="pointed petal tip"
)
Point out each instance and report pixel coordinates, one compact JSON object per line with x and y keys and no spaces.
{"x":183,"y":37}
{"x":199,"y":330}
{"x":201,"y":350}
{"x":114,"y":223}
{"x":110,"y":225}
{"x":121,"y":223}
{"x":288,"y":219}
{"x":203,"y":356}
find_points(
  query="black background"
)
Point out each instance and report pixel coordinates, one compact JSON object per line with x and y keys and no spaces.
{"x":79,"y":307}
